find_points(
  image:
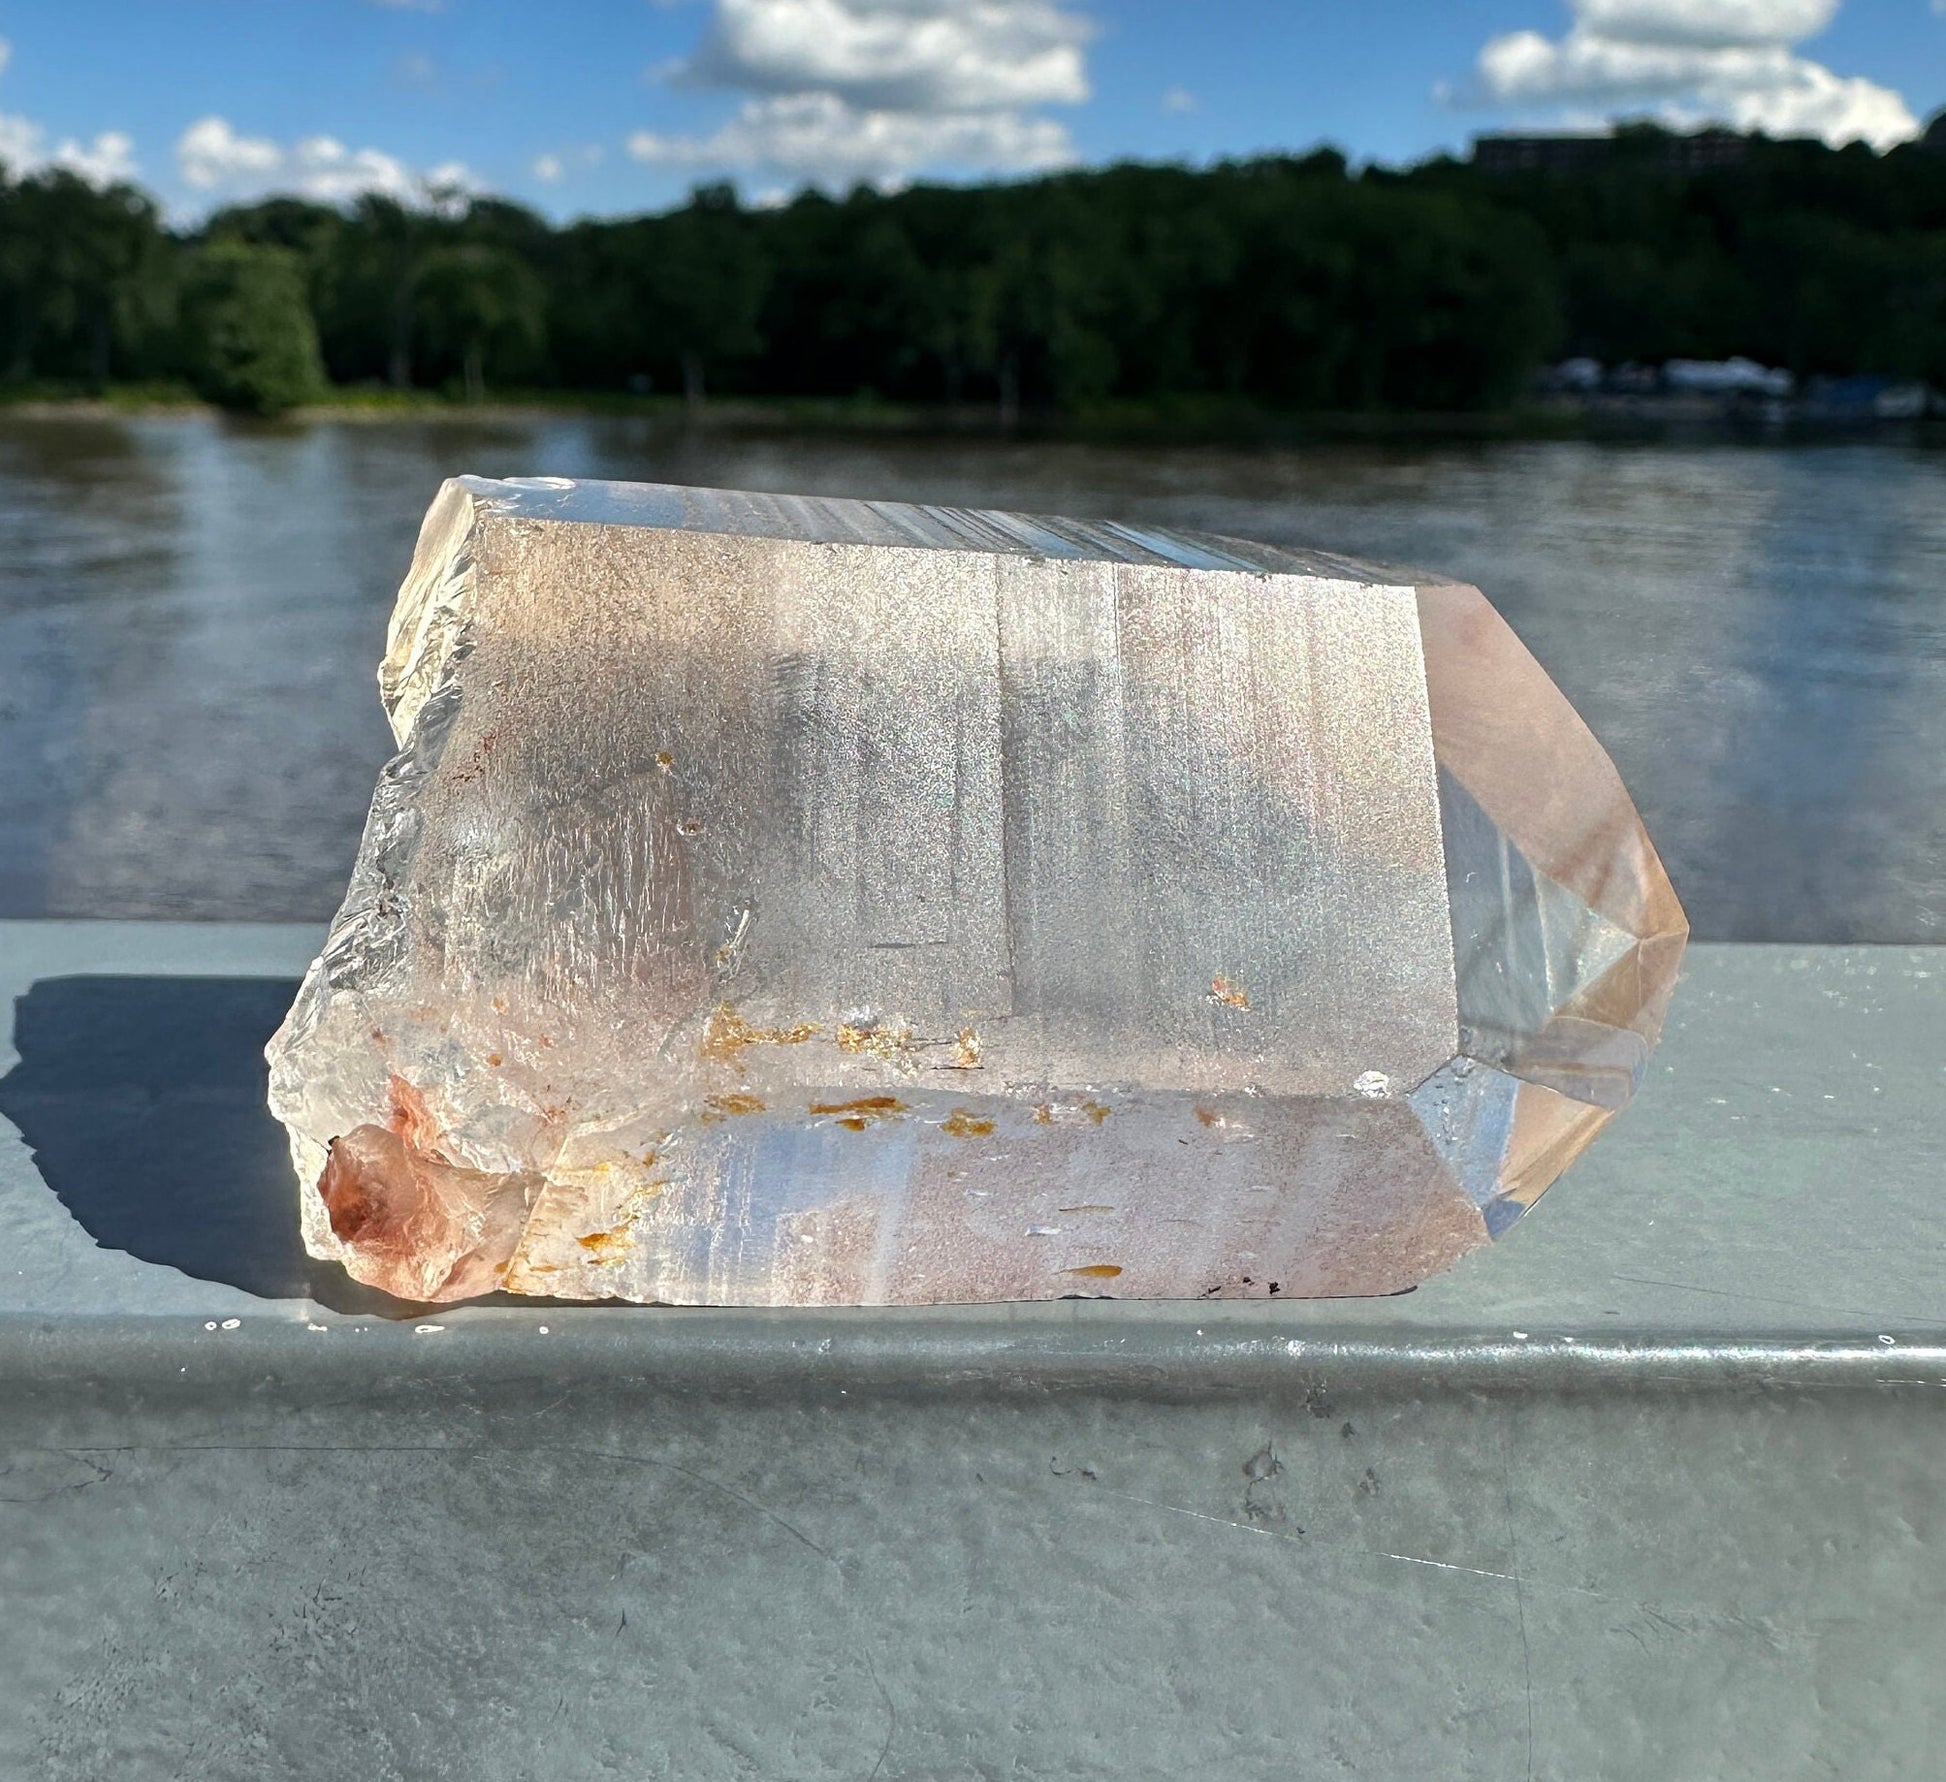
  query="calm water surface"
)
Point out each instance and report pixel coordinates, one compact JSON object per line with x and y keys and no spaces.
{"x":191,"y":613}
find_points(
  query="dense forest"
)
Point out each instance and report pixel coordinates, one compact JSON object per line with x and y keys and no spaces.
{"x":1288,"y":283}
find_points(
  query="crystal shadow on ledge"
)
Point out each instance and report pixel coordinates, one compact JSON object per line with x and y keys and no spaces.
{"x":141,"y":1099}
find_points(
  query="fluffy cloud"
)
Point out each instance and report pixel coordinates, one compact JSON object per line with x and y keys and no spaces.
{"x":1711,"y":24}
{"x":1692,"y":61}
{"x":552,"y":167}
{"x":102,"y":161}
{"x":24,"y":147}
{"x":838,"y":91}
{"x":213,"y":159}
{"x":818,"y":138}
{"x":898,"y":55}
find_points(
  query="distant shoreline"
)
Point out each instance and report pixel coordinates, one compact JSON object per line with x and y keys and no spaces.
{"x":1182,"y":422}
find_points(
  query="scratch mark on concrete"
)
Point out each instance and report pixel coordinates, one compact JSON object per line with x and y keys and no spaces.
{"x":709,"y":1484}
{"x":1441,"y":1565}
{"x":1520,"y":1597}
{"x":1156,"y":1503}
{"x":891,"y":1719}
{"x":1875,"y":1313}
{"x":18,"y":1486}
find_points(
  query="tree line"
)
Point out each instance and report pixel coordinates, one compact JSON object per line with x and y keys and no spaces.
{"x":1285,"y":282}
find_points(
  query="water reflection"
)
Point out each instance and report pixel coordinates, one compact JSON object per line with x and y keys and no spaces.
{"x":190,"y":613}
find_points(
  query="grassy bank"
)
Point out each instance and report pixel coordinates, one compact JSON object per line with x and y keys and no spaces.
{"x":1161,"y":423}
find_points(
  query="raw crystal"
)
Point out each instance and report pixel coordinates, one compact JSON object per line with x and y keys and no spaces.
{"x":790,"y":901}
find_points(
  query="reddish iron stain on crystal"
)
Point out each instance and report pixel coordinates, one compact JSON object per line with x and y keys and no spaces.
{"x":861,"y":1112}
{"x":418,"y":1227}
{"x":607,"y":1246}
{"x":477,"y":763}
{"x":727,"y":1035}
{"x":891,"y":1044}
{"x":351,"y":1173}
{"x":411,"y":1119}
{"x":718,"y":1107}
{"x":862,"y":1104}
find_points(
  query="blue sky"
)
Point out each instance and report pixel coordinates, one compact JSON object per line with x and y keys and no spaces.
{"x":599,"y":106}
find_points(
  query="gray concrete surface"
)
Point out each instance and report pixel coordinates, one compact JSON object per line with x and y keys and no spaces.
{"x":1650,"y":1489}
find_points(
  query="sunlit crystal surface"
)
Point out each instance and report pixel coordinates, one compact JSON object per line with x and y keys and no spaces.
{"x":788,"y":901}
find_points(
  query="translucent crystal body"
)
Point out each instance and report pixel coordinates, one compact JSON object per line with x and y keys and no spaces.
{"x":787,"y":901}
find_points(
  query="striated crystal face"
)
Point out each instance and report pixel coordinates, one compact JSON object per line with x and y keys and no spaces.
{"x":788,"y":901}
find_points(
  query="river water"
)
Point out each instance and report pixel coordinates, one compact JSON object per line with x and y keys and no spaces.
{"x":191,"y":612}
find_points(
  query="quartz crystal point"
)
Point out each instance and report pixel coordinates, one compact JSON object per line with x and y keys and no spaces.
{"x":779,"y":901}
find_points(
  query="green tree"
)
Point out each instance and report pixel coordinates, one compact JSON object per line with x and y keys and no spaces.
{"x":703,"y":288}
{"x":1287,"y":282}
{"x":250,"y":341}
{"x":84,"y":278}
{"x":475,"y":299}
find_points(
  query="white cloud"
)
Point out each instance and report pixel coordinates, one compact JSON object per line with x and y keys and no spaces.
{"x":839,"y":91}
{"x":556,"y":165}
{"x":213,"y":159}
{"x":20,"y":144}
{"x":1709,"y":23}
{"x":24,"y":148}
{"x":1816,"y":102}
{"x":1180,"y":99}
{"x":209,"y":154}
{"x":1690,"y":62}
{"x":898,"y":55}
{"x":101,"y":161}
{"x":819,"y":139}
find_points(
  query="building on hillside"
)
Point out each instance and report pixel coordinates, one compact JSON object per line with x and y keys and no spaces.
{"x":1701,"y":151}
{"x":1508,"y":151}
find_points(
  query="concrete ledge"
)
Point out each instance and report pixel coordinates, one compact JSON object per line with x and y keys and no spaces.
{"x":1650,"y":1489}
{"x":811,"y":1358}
{"x":1777,"y":1177}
